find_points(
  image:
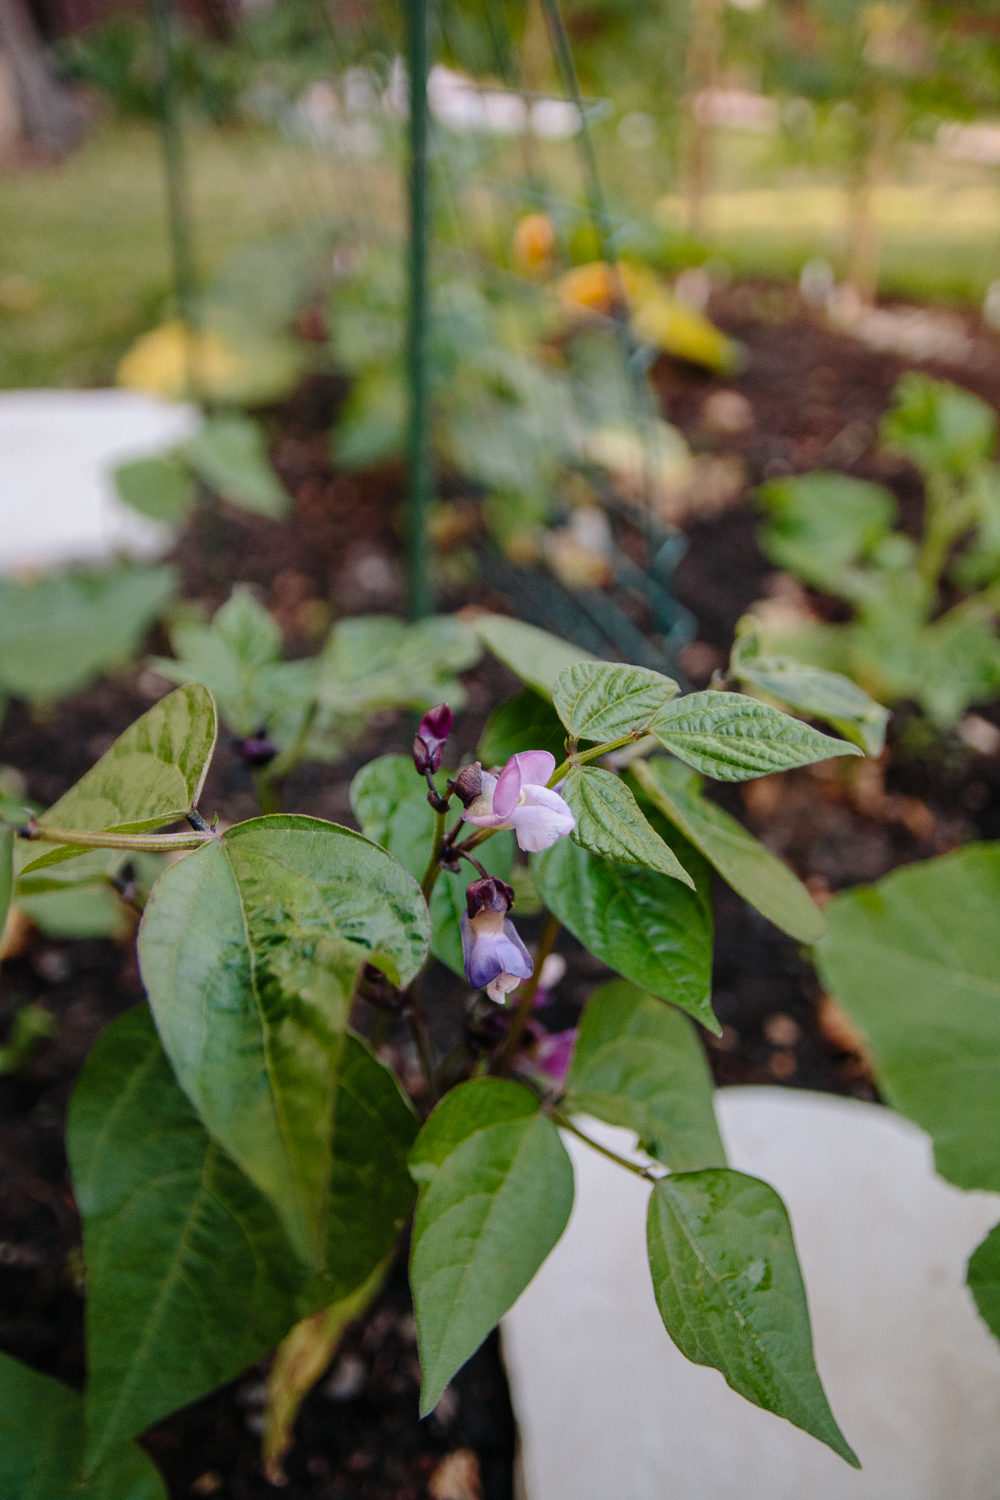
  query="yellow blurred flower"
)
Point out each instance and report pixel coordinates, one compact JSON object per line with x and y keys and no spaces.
{"x":213,"y":363}
{"x":534,"y":241}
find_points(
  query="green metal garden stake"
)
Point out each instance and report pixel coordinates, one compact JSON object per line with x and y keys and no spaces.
{"x":419,"y":445}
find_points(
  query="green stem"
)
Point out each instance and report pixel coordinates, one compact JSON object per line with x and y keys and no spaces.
{"x":434,"y":863}
{"x":545,"y":946}
{"x":86,"y":838}
{"x":583,"y":755}
{"x":419,"y":444}
{"x":268,"y":791}
{"x":417,"y":1022}
{"x":565,"y":1123}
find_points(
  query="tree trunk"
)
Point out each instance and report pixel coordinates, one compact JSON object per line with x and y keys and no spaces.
{"x":50,"y":119}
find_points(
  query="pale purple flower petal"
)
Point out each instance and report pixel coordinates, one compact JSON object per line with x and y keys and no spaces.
{"x":519,"y":799}
{"x":540,"y":819}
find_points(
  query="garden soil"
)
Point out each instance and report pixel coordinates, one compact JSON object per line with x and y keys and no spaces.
{"x":815,"y":397}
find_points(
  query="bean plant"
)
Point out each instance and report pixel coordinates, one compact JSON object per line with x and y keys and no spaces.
{"x":923,"y":610}
{"x":246,"y":1160}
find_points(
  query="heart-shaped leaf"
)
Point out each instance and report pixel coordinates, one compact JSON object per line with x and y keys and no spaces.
{"x":390,"y":802}
{"x":152,"y":775}
{"x":536,"y":656}
{"x":41,"y":1445}
{"x":729,"y":1290}
{"x":609,"y":822}
{"x":759,"y":876}
{"x":734,"y":738}
{"x":495,"y":1206}
{"x":190,"y":1277}
{"x":644,"y":924}
{"x":914,"y":962}
{"x":160,"y":488}
{"x":250,"y":950}
{"x":598,"y":701}
{"x":638,"y":1063}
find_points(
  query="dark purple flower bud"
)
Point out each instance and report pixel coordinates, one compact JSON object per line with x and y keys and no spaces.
{"x":468,"y":784}
{"x":257,"y":749}
{"x":435,"y":727}
{"x":489,"y":895}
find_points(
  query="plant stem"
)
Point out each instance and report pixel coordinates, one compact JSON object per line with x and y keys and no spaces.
{"x":417,"y":1022}
{"x":565,"y":1123}
{"x":86,"y":838}
{"x":268,"y":792}
{"x":578,"y":758}
{"x":434,"y":864}
{"x":545,"y":946}
{"x":419,"y":446}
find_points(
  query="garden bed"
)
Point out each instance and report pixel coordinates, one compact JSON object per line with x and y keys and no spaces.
{"x":816,"y":398}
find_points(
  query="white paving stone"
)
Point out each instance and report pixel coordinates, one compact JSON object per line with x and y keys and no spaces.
{"x":57,"y":450}
{"x":609,"y":1410}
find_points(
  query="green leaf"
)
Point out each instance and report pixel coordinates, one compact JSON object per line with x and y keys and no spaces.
{"x":78,"y":912}
{"x":525,"y":722}
{"x":190,"y":1277}
{"x":464,"y":1110}
{"x":914,"y":962}
{"x":938,"y":426}
{"x":821,"y":523}
{"x":729,"y":1290}
{"x":824,"y":695}
{"x":390,"y":802}
{"x":759,"y":876}
{"x":983,"y":1279}
{"x":638,"y":1063}
{"x":734,"y":738}
{"x":536,"y":656}
{"x":609,"y":822}
{"x":160,"y":488}
{"x":250,"y":950}
{"x":58,"y":633}
{"x":230,"y":455}
{"x":378,"y":662}
{"x":372,"y":1191}
{"x":645,"y":925}
{"x":494,"y":1208}
{"x":597,"y":701}
{"x":152,"y":775}
{"x":41,"y":1445}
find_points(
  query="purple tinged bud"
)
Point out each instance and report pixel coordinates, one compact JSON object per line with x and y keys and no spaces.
{"x":257,"y":749}
{"x":488,"y":895}
{"x":434,"y":729}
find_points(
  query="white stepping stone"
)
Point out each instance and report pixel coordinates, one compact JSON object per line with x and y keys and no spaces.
{"x":609,"y":1410}
{"x":57,"y":451}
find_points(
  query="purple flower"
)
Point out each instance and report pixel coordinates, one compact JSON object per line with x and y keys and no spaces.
{"x":433,"y":731}
{"x":495,"y":958}
{"x":518,"y":798}
{"x":554,"y":1053}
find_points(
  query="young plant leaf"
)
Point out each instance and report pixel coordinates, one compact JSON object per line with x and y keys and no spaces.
{"x":160,"y":488}
{"x":390,"y":802}
{"x":42,"y":1440}
{"x":525,"y":722}
{"x":230,"y":455}
{"x":759,"y":876}
{"x":58,"y":633}
{"x":190,"y":1277}
{"x":638,"y":1063}
{"x":734,"y":738}
{"x":729,"y":1289}
{"x":250,"y":949}
{"x":598,"y":701}
{"x":493,"y":1209}
{"x":464,"y":1110}
{"x":914,"y":962}
{"x":823,"y":695}
{"x":153,"y":774}
{"x":983,"y":1279}
{"x":536,"y":656}
{"x":610,"y":823}
{"x":377,"y":662}
{"x":647,"y":926}
{"x":938,"y":426}
{"x":821,"y":523}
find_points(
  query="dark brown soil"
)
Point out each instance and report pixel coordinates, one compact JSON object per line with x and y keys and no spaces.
{"x":817,"y":398}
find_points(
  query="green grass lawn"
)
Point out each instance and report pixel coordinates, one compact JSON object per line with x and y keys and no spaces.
{"x":84,"y":257}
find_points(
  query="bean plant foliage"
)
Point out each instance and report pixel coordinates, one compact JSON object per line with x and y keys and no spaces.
{"x":245,"y":1160}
